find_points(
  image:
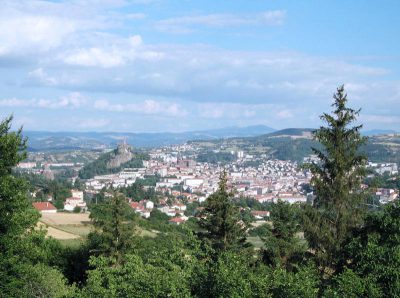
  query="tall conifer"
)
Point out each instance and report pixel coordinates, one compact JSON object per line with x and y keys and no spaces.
{"x":337,"y":207}
{"x":221,"y":219}
{"x":114,"y":220}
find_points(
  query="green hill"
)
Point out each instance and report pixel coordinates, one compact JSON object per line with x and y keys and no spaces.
{"x":296,"y":143}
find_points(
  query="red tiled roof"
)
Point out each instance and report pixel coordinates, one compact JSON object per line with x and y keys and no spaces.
{"x":176,"y":219}
{"x":136,"y":205}
{"x":43,"y":206}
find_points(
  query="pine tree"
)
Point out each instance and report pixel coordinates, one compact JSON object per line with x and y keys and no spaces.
{"x":282,"y":247}
{"x":221,"y":219}
{"x":337,"y":207}
{"x":114,"y":220}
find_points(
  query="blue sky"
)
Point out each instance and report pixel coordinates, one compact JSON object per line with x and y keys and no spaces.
{"x":159,"y":65}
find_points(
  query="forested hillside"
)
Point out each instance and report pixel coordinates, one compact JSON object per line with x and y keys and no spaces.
{"x":296,"y":143}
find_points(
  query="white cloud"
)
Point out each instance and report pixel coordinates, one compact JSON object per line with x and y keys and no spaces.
{"x":95,"y":57}
{"x":187,"y":24}
{"x":119,"y":53}
{"x":71,"y":101}
{"x":21,"y":34}
{"x":41,"y":77}
{"x":147,"y":107}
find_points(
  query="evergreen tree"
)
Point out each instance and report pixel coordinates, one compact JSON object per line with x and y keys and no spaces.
{"x":221,"y":219}
{"x":281,"y":245}
{"x":114,"y":220}
{"x":337,"y":207}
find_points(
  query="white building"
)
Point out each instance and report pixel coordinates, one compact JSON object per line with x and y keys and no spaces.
{"x":71,"y":203}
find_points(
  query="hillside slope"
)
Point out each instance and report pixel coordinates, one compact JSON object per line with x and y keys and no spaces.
{"x":113,"y":162}
{"x":296,"y":143}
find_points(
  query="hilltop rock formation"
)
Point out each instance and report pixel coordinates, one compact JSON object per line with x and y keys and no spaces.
{"x":123,"y":154}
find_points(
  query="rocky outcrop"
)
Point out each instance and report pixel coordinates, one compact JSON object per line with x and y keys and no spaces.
{"x":122,"y":154}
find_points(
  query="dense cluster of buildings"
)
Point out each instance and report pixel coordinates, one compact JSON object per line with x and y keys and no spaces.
{"x":270,"y":181}
{"x":181,"y":181}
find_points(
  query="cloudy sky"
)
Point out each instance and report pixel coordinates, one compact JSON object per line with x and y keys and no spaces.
{"x":164,"y":65}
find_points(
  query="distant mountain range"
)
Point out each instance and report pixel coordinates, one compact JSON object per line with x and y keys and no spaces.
{"x":50,"y":141}
{"x":376,"y":132}
{"x":44,"y":140}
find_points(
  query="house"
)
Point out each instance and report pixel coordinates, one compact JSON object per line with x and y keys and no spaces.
{"x":141,"y":208}
{"x":77,"y":193}
{"x":176,"y":221}
{"x":44,"y":207}
{"x":259,"y":215}
{"x":179,"y":206}
{"x":73,"y":202}
{"x":147,"y":204}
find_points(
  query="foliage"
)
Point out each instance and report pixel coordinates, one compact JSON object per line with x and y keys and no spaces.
{"x":17,"y":215}
{"x":25,"y":254}
{"x":12,"y":147}
{"x":216,"y":157}
{"x":59,"y":190}
{"x":135,"y":279}
{"x":27,"y":280}
{"x":303,"y":283}
{"x":336,"y":182}
{"x":246,"y":202}
{"x":113,"y":221}
{"x":374,"y":252}
{"x":232,"y":276}
{"x":349,"y":284}
{"x":282,"y":246}
{"x":221,"y":220}
{"x":384,"y":181}
{"x":137,"y":191}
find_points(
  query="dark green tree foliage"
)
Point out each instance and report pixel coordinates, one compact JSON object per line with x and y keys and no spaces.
{"x":282,"y":246}
{"x":336,"y":180}
{"x":114,"y":222}
{"x":234,"y":275}
{"x":216,"y":157}
{"x":373,"y":254}
{"x":25,"y":280}
{"x":221,"y":219}
{"x":25,"y":254}
{"x":16,"y":212}
{"x":135,"y":278}
{"x":59,"y":190}
{"x":137,"y":191}
{"x":12,"y":147}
